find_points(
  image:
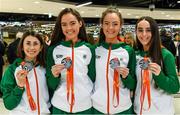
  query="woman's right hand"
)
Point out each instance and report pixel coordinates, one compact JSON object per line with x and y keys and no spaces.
{"x":56,"y":69}
{"x":21,"y":78}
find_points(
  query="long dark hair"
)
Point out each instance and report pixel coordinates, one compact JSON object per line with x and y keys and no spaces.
{"x":41,"y":56}
{"x":58,"y":35}
{"x":107,"y":11}
{"x":155,"y":44}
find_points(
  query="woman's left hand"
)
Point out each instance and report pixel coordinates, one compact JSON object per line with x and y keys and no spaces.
{"x":154,"y":68}
{"x":123,"y":71}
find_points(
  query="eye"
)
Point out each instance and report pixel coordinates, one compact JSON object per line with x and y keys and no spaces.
{"x":73,"y":23}
{"x":28,"y":43}
{"x":106,"y":23}
{"x":36,"y":43}
{"x":114,"y":24}
{"x":63,"y":24}
{"x":140,"y":30}
{"x":148,"y":30}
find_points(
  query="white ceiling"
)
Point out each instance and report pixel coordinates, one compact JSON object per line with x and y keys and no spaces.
{"x":45,"y":7}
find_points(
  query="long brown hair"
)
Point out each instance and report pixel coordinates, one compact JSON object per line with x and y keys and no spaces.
{"x":155,"y":44}
{"x":58,"y":35}
{"x":41,"y":56}
{"x":107,"y":11}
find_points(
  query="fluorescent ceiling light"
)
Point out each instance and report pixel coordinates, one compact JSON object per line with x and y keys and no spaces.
{"x":178,"y":1}
{"x":83,"y":4}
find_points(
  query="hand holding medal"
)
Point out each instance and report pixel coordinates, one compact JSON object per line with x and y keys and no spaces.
{"x":21,"y":74}
{"x":115,"y":64}
{"x":155,"y":68}
{"x":67,"y":62}
{"x":27,"y":66}
{"x":144,"y":64}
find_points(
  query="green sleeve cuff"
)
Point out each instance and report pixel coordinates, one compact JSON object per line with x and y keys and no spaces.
{"x":169,"y":84}
{"x":129,"y":82}
{"x":53,"y":82}
{"x":18,"y":91}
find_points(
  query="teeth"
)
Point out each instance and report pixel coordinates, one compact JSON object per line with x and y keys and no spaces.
{"x":110,"y":32}
{"x":31,"y":52}
{"x":69,"y":32}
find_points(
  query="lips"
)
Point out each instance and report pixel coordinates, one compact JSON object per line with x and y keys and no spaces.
{"x":31,"y":52}
{"x":110,"y":32}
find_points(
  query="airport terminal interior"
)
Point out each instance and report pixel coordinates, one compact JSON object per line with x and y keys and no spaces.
{"x":40,"y":16}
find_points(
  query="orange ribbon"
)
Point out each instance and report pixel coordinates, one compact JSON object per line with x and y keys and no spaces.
{"x":32,"y":104}
{"x":37,"y":91}
{"x":116,"y":85}
{"x":145,"y":85}
{"x":107,"y":79}
{"x":70,"y":83}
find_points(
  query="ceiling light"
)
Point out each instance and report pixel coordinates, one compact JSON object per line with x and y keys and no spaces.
{"x":178,"y":1}
{"x":82,"y":12}
{"x":83,"y":4}
{"x":50,"y":15}
{"x":20,"y":8}
{"x":36,"y":2}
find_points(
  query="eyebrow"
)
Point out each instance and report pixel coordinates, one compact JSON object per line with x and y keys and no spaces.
{"x":66,"y":22}
{"x":32,"y":41}
{"x":142,"y":28}
{"x":112,"y":22}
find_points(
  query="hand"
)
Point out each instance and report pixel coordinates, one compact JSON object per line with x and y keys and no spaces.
{"x":123,"y":71}
{"x":56,"y":69}
{"x":154,"y":68}
{"x":21,"y":78}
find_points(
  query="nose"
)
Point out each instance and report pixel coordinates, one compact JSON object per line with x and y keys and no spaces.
{"x":144,"y":32}
{"x":31,"y":47}
{"x":110,"y":26}
{"x":68,"y":26}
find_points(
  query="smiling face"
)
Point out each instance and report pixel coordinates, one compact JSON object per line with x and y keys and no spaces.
{"x":70,"y":27}
{"x":111,"y":26}
{"x":143,"y":33}
{"x":31,"y":47}
{"x":128,"y":39}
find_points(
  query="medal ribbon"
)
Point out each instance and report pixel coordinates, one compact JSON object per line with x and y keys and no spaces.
{"x":116,"y":85}
{"x":145,"y":86}
{"x":32,"y":104}
{"x":70,"y":83}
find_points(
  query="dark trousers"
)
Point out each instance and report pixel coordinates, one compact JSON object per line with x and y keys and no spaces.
{"x":178,"y":63}
{"x":1,"y":72}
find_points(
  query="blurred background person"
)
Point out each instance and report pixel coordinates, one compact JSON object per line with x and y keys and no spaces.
{"x":2,"y":51}
{"x":129,"y":39}
{"x":167,"y":41}
{"x":12,"y":48}
{"x":176,"y":42}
